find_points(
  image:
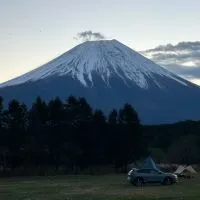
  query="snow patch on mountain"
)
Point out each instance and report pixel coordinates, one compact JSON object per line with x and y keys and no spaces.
{"x":106,"y":58}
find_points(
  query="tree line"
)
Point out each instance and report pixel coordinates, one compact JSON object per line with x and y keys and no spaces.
{"x":174,"y":143}
{"x":68,"y":134}
{"x":72,"y":134}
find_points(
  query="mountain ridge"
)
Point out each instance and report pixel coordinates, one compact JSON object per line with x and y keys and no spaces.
{"x":109,"y":74}
{"x":106,"y":57}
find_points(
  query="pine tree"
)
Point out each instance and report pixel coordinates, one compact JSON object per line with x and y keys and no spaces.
{"x":113,"y":139}
{"x":113,"y":117}
{"x":130,"y":135}
{"x":55,"y":112}
{"x":37,"y":146}
{"x":38,"y":114}
{"x":16,"y":120}
{"x":16,"y":116}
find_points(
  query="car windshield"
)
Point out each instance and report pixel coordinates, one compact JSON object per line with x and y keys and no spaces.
{"x":149,"y":171}
{"x":143,"y":171}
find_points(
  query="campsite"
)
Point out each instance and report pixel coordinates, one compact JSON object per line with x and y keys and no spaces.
{"x":104,"y":187}
{"x":87,"y":187}
{"x":45,"y":162}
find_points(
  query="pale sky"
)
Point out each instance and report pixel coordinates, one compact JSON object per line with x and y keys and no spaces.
{"x":33,"y":32}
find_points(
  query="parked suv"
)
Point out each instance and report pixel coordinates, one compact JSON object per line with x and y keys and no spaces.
{"x":141,"y":176}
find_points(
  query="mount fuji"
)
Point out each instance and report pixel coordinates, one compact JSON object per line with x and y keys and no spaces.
{"x":109,"y":74}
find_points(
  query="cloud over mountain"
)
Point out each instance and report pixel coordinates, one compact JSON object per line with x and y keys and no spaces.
{"x":182,"y":58}
{"x":89,"y":35}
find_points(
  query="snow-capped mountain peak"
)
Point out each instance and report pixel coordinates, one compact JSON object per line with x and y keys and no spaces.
{"x":109,"y":74}
{"x":106,"y":58}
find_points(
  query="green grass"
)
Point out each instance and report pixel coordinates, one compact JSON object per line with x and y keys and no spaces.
{"x":109,"y":187}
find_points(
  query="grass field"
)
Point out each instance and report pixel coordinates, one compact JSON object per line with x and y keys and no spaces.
{"x":108,"y":187}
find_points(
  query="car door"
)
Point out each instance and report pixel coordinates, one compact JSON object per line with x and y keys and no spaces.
{"x":145,"y":174}
{"x":155,"y":175}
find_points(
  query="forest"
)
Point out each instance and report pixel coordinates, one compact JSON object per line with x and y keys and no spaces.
{"x":70,"y":137}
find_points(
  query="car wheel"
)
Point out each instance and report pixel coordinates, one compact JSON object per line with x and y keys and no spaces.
{"x":167,"y":181}
{"x":138,"y":182}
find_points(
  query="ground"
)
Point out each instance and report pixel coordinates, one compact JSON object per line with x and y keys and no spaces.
{"x":102,"y":187}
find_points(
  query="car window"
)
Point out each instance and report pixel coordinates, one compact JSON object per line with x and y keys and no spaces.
{"x":153,"y":171}
{"x":143,"y":171}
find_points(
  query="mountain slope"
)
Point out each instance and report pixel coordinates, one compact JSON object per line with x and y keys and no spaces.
{"x":103,"y":57}
{"x":109,"y":74}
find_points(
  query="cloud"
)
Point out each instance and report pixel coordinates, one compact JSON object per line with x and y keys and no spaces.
{"x":194,"y":56}
{"x":181,"y":46}
{"x":187,"y":72}
{"x":90,"y":35}
{"x":182,"y":59}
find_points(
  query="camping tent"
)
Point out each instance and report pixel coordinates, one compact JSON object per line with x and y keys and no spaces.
{"x":180,"y":169}
{"x":185,"y":171}
{"x":149,"y":164}
{"x":190,"y":169}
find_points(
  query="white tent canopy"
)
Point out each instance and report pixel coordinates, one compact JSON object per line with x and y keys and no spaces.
{"x":181,"y":169}
{"x":190,"y":169}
